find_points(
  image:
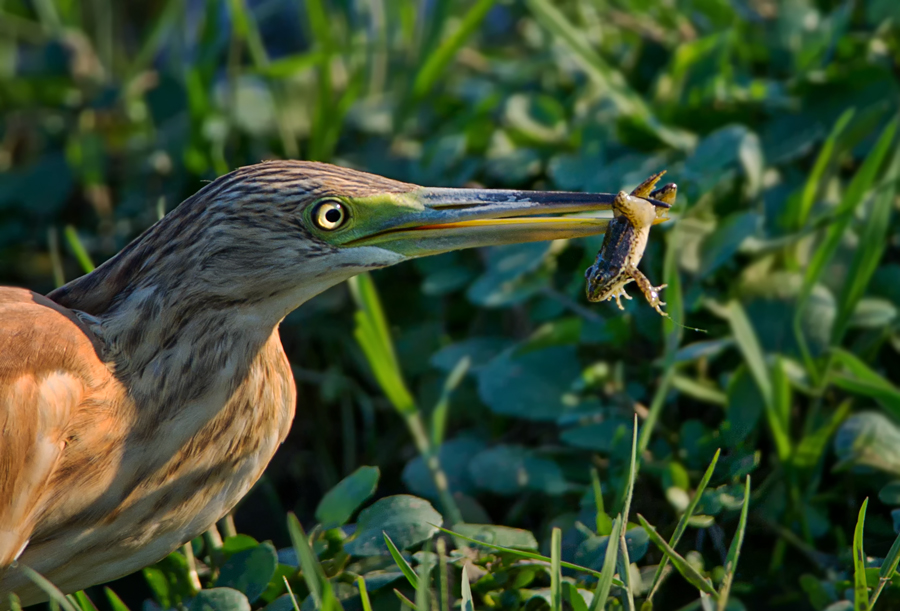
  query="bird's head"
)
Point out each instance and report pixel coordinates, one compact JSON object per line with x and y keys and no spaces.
{"x":284,"y":231}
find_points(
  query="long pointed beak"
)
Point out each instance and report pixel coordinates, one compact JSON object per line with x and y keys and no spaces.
{"x":442,"y":219}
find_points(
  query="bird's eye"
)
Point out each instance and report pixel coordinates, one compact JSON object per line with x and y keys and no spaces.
{"x":329,"y":215}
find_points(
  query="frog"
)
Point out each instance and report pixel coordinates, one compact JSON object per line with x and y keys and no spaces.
{"x":625,"y":242}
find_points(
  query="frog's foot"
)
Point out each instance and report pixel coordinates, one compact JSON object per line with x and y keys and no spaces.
{"x":666,"y":193}
{"x":644,"y":189}
{"x":620,"y":294}
{"x":651,"y":293}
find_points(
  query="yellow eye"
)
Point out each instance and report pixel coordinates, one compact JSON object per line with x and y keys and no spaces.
{"x":329,"y":215}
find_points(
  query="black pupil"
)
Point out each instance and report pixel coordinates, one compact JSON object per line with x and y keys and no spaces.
{"x":333,"y":215}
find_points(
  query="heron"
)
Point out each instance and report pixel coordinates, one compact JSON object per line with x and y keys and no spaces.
{"x":140,"y":402}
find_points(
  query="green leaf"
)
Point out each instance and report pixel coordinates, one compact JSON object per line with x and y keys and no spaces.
{"x":249,"y":571}
{"x":599,"y":437}
{"x":869,"y":439}
{"x":454,"y":456}
{"x":169,"y":580}
{"x":219,"y":599}
{"x":401,"y":562}
{"x":407,"y":520}
{"x":238,"y":543}
{"x":734,"y":551}
{"x":339,"y":503}
{"x":860,"y":589}
{"x":592,"y":550}
{"x":573,"y":596}
{"x":686,"y":569}
{"x":529,"y":384}
{"x":508,"y":470}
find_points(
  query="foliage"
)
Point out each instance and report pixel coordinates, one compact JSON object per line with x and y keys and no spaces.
{"x":495,"y":401}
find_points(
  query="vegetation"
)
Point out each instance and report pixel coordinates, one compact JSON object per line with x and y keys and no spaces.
{"x":777,"y":120}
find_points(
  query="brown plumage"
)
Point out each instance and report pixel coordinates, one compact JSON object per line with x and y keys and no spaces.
{"x":140,"y":402}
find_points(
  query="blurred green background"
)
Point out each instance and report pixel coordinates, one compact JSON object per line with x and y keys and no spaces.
{"x":777,"y":120}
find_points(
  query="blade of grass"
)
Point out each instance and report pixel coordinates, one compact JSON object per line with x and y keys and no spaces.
{"x":59,"y":277}
{"x":363,"y":594}
{"x":524,"y":554}
{"x":438,"y":60}
{"x":602,"y":522}
{"x":632,"y":473}
{"x":115,"y":602}
{"x":291,"y":593}
{"x":313,"y":574}
{"x":374,"y":337}
{"x":681,"y":565}
{"x":612,"y":81}
{"x":860,"y":589}
{"x":439,"y":413}
{"x":748,"y":344}
{"x":444,"y":581}
{"x":853,"y":196}
{"x":887,"y":570}
{"x":81,"y":255}
{"x":246,"y":29}
{"x":601,"y":594}
{"x":401,"y":562}
{"x":683,"y":522}
{"x":813,"y":182}
{"x":624,"y":564}
{"x":555,"y":570}
{"x":372,"y":334}
{"x":16,"y":605}
{"x":859,"y":378}
{"x":465,"y":591}
{"x":49,"y":589}
{"x":81,"y":601}
{"x":866,"y":256}
{"x":404,"y":600}
{"x":734,"y":551}
{"x":423,"y":593}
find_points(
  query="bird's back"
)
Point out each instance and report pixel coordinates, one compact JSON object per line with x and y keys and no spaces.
{"x":79,"y":500}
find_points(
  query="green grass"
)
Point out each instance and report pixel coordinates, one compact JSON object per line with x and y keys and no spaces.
{"x":481,"y":387}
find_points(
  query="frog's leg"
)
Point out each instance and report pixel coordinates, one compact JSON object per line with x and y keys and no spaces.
{"x":644,"y":189}
{"x":651,"y":293}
